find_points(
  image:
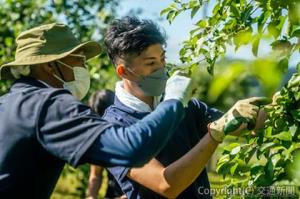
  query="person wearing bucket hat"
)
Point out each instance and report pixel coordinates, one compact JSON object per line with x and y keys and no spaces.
{"x":43,"y":125}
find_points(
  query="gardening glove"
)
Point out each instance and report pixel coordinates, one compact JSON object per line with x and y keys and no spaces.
{"x":179,"y":87}
{"x":244,"y":112}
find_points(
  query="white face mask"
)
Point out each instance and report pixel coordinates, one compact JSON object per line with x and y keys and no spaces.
{"x":81,"y":85}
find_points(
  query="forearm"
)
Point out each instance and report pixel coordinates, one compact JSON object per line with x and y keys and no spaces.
{"x":183,"y":172}
{"x":95,"y":181}
{"x":94,"y":186}
{"x":137,"y":144}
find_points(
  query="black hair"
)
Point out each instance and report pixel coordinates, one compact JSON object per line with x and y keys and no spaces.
{"x":129,"y":36}
{"x":101,"y":100}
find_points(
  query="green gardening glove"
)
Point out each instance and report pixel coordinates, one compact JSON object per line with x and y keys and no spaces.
{"x":243,"y":112}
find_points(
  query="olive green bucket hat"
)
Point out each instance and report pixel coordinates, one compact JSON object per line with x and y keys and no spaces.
{"x":47,"y":43}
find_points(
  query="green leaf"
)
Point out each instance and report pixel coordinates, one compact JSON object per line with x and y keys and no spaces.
{"x":216,"y":9}
{"x":297,"y":98}
{"x":210,"y":68}
{"x":249,"y":155}
{"x":223,"y":162}
{"x":282,"y":20}
{"x":165,"y":11}
{"x":233,"y":168}
{"x":219,"y":166}
{"x":255,"y":169}
{"x":296,"y":33}
{"x":294,"y":81}
{"x":8,"y":41}
{"x":242,"y":38}
{"x":273,"y":30}
{"x":285,"y":135}
{"x":193,"y":3}
{"x":262,"y":20}
{"x":182,"y":52}
{"x":278,"y":149}
{"x":298,"y":67}
{"x":194,"y":11}
{"x":266,"y":146}
{"x":224,"y":158}
{"x":283,"y":64}
{"x":234,"y":10}
{"x":293,"y":129}
{"x":294,"y":14}
{"x":171,"y":15}
{"x":202,"y":23}
{"x":235,"y":150}
{"x":255,"y":45}
{"x":192,"y":32}
{"x":231,"y":146}
{"x":259,"y":179}
{"x":279,"y":123}
{"x":293,"y":147}
{"x":275,"y":159}
{"x":269,"y":170}
{"x":296,"y":114}
{"x":281,"y":45}
{"x":225,"y":168}
{"x":247,"y":13}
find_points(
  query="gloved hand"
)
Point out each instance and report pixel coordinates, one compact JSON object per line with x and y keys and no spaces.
{"x":243,"y":114}
{"x":179,"y":87}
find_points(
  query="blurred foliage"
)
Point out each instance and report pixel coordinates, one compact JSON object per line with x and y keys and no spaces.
{"x":88,"y":19}
{"x":73,"y":183}
{"x":236,"y":79}
{"x":294,"y":167}
{"x":237,"y":23}
{"x":266,"y":159}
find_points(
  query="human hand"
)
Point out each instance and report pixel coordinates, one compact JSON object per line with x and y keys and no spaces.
{"x":179,"y":87}
{"x":240,"y":117}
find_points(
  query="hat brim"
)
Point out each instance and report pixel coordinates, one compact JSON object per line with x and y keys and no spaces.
{"x":90,"y":49}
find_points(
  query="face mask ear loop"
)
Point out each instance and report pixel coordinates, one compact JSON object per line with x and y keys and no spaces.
{"x":59,"y":71}
{"x":132,"y":72}
{"x":79,"y":55}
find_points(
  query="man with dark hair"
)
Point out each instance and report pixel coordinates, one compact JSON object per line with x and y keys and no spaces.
{"x":43,"y":125}
{"x":136,"y":48}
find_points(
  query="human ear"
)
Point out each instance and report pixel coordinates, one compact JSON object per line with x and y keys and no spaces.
{"x":120,"y":70}
{"x":125,"y":73}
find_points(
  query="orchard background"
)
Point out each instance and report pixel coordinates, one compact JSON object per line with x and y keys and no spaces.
{"x":268,"y":31}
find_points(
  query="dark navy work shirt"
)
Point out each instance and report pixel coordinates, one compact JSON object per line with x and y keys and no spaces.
{"x":42,"y":128}
{"x":192,"y":128}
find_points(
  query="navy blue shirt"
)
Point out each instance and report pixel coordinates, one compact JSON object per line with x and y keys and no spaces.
{"x":192,"y":128}
{"x":42,"y":128}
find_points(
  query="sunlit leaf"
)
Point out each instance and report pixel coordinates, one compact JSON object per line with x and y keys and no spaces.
{"x":194,"y":11}
{"x":255,"y":45}
{"x":286,"y":136}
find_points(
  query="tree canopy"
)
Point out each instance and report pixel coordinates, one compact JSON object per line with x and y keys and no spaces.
{"x":263,"y":160}
{"x":88,"y":20}
{"x":236,"y":23}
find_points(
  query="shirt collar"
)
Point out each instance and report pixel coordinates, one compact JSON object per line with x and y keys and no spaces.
{"x":131,"y":101}
{"x":26,"y":82}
